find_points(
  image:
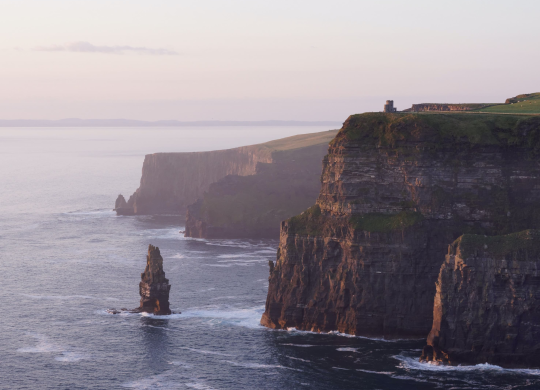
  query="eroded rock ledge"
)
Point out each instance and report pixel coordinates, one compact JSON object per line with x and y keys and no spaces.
{"x":487,"y":305}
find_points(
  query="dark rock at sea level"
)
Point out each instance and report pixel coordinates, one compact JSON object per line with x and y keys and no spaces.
{"x":154,"y":287}
{"x":487,"y":305}
{"x":122,"y":207}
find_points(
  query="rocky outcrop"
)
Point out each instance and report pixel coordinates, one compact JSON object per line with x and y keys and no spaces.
{"x":487,"y":305}
{"x":422,"y":107}
{"x":396,"y":189}
{"x":121,"y":206}
{"x":154,"y":287}
{"x":172,"y":181}
{"x":523,"y":97}
{"x":254,"y":206}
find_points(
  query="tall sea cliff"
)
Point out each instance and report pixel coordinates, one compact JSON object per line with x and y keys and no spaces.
{"x":171,"y":182}
{"x":397,"y":189}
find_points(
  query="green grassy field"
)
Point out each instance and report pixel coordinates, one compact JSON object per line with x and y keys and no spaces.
{"x":300,"y":141}
{"x":523,"y":104}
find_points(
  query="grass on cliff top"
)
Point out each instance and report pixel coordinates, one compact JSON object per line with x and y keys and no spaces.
{"x":521,"y":104}
{"x":441,"y":130}
{"x":384,"y":223}
{"x":521,"y":245}
{"x":300,"y":141}
{"x":309,"y":223}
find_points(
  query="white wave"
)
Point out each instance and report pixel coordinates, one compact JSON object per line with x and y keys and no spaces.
{"x":413,"y":364}
{"x":205,"y":352}
{"x":224,"y":297}
{"x":229,"y":265}
{"x":235,"y":256}
{"x":44,"y":345}
{"x":248,"y":318}
{"x":240,"y":244}
{"x":177,"y":256}
{"x":71,"y":357}
{"x":167,"y":233}
{"x":339,"y":368}
{"x":94,"y":213}
{"x":259,"y":366}
{"x":336,"y":333}
{"x":300,"y":345}
{"x":242,"y":261}
{"x":295,"y":358}
{"x":163,"y":328}
{"x":199,"y":386}
{"x":376,"y":372}
{"x":161,"y":317}
{"x":347,"y":349}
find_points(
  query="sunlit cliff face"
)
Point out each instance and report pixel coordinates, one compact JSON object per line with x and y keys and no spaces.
{"x":256,"y":61}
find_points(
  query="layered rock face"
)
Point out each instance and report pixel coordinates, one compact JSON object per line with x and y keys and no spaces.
{"x":254,"y":206}
{"x":154,"y":287}
{"x":396,"y":189}
{"x":172,"y":181}
{"x":487,"y":305}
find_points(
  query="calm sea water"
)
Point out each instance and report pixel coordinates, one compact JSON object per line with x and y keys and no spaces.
{"x":66,"y":258}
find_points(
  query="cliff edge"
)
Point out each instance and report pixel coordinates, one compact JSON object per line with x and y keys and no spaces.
{"x":487,"y":305}
{"x":396,"y":189}
{"x":172,"y":181}
{"x":254,"y":206}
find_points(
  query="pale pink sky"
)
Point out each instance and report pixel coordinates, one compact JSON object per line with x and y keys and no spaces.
{"x":257,"y":60}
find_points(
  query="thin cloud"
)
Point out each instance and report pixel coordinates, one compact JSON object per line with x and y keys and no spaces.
{"x":87,"y":47}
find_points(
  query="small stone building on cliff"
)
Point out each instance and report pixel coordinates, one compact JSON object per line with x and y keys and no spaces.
{"x":389,"y":106}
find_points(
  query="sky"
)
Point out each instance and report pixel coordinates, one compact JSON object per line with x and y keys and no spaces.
{"x":260,"y":60}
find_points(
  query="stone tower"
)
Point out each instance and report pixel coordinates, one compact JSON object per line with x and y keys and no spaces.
{"x":389,"y":106}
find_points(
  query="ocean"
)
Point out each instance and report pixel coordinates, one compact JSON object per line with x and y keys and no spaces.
{"x":66,"y":258}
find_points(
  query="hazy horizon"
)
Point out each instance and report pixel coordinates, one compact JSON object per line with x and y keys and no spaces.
{"x":248,"y":61}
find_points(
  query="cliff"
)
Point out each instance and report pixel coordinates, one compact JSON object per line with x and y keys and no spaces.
{"x":172,"y":181}
{"x":487,"y":305}
{"x":396,"y":189}
{"x":154,"y":286}
{"x":254,"y":206}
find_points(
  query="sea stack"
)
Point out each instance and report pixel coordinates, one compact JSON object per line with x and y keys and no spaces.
{"x":154,"y":287}
{"x":122,"y":207}
{"x":487,"y":305}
